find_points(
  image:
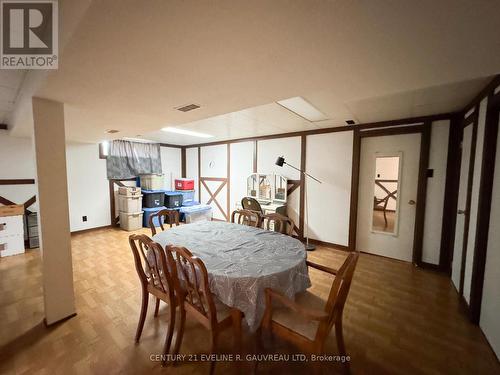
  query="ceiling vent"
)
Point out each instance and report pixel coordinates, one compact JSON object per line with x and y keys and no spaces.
{"x":187,"y":108}
{"x":112,"y":131}
{"x":350,"y":122}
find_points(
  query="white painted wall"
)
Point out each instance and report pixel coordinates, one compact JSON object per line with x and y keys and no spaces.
{"x":241,"y":168}
{"x":329,"y":158}
{"x":17,"y":162}
{"x":267,"y":153}
{"x":435,"y":192}
{"x":171,"y":165}
{"x":490,"y":305}
{"x":88,"y":188}
{"x":471,"y":239}
{"x":192,"y":168}
{"x":214,"y":164}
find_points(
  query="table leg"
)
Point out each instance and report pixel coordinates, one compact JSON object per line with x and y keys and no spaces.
{"x":237,"y":316}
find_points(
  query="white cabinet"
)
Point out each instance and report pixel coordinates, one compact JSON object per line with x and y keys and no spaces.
{"x":11,"y":235}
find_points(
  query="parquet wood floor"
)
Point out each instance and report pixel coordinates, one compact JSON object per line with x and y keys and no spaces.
{"x":398,"y":320}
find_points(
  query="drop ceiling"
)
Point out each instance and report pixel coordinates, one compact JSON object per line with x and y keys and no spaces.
{"x":127,"y":65}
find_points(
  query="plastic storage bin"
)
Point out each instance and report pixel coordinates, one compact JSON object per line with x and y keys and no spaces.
{"x":148,"y":212}
{"x":184,"y":184}
{"x":130,"y":203}
{"x":153,"y":198}
{"x":131,"y":221}
{"x":151,"y":181}
{"x":173,"y":199}
{"x":187,"y":196}
{"x":129,"y":190}
{"x":197,"y":213}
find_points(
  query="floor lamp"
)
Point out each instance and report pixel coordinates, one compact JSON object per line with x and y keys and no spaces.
{"x":279,"y":162}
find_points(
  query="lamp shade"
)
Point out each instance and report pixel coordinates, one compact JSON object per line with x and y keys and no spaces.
{"x":280,"y":161}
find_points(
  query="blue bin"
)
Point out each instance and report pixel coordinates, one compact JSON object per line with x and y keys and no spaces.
{"x":187,"y":196}
{"x":147,"y":213}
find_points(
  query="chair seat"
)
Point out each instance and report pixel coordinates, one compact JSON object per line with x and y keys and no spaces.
{"x":290,"y":319}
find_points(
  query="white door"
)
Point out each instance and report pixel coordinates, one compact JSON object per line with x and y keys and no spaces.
{"x":388,"y":181}
{"x":462,"y":203}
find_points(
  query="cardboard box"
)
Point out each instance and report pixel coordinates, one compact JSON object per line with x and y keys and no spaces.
{"x":13,"y":210}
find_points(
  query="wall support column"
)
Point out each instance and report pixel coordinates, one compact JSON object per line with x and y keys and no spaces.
{"x":55,"y":240}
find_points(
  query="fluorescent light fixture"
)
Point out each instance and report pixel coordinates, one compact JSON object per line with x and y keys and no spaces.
{"x":303,"y":108}
{"x":186,"y":132}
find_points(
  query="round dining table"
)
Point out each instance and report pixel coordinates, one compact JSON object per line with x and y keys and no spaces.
{"x":243,"y":261}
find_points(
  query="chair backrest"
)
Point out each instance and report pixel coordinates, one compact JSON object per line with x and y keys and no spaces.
{"x":152,"y":265}
{"x":246,"y":217}
{"x":193,"y":280}
{"x":161,"y":217}
{"x":339,"y":291}
{"x":252,"y":204}
{"x":282,"y":224}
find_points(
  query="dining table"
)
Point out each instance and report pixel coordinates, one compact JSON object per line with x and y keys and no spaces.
{"x":242,"y":261}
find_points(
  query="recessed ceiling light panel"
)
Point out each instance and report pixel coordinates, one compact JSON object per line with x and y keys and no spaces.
{"x":303,"y":108}
{"x":191,"y":133}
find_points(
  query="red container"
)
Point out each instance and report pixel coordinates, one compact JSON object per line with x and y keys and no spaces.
{"x":184,"y":184}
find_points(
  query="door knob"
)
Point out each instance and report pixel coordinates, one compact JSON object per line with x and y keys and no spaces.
{"x":461,"y":212}
{"x":411,"y":202}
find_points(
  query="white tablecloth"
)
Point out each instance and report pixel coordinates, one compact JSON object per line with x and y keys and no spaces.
{"x":242,"y":261}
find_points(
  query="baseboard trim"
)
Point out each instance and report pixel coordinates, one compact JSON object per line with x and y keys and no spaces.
{"x":329,"y":244}
{"x":91,"y":229}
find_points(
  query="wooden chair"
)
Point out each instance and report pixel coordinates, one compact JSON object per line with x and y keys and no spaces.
{"x":157,"y":278}
{"x":282,"y":224}
{"x":312,"y":325}
{"x":246,"y":217}
{"x":164,"y":217}
{"x":199,"y":302}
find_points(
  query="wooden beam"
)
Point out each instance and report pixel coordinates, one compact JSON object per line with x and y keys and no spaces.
{"x":302,"y":208}
{"x":183,"y":162}
{"x":18,"y":181}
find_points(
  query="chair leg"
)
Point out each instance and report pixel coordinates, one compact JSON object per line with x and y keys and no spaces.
{"x":180,"y":333}
{"x":340,"y":336}
{"x":213,"y":350}
{"x":237,"y":317}
{"x":157,"y":306}
{"x":142,"y":316}
{"x":170,"y":332}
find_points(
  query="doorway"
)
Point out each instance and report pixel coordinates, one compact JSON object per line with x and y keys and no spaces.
{"x":391,"y":191}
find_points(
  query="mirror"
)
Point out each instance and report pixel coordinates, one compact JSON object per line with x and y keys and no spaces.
{"x":386,"y":193}
{"x":265,"y":188}
{"x":252,"y":186}
{"x":280,"y":188}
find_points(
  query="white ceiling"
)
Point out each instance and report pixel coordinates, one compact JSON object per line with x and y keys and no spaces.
{"x":10,"y":83}
{"x":128,"y":64}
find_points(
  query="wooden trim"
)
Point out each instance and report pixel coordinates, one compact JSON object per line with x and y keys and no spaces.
{"x":255,"y":151}
{"x":228,"y":183}
{"x":29,"y":202}
{"x":101,"y":151}
{"x":183,"y":162}
{"x":303,"y":150}
{"x":199,"y":175}
{"x":425,"y":142}
{"x":58,"y":321}
{"x":3,"y":127}
{"x":18,"y":181}
{"x":353,"y":214}
{"x":329,"y":244}
{"x":470,"y":179}
{"x":215,"y":179}
{"x":380,"y":124}
{"x":430,"y":266}
{"x":484,"y":210}
{"x":213,"y":196}
{"x":392,"y":131}
{"x":294,"y":185}
{"x":6,"y":201}
{"x":171,"y":145}
{"x":112,"y":203}
{"x":486,"y":91}
{"x":450,"y":195}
